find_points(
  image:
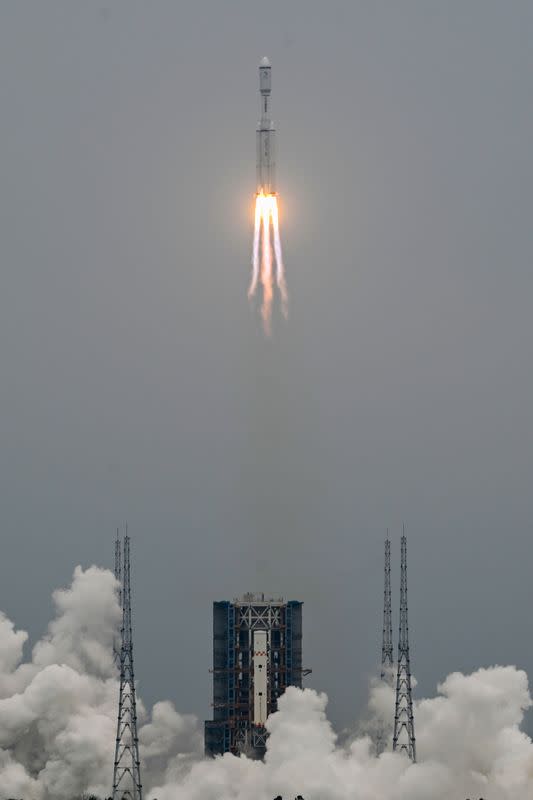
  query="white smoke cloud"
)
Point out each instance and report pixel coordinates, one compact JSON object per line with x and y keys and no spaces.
{"x":468,"y":739}
{"x":82,"y":633}
{"x":58,"y":710}
{"x":170,"y":743}
{"x":58,"y":717}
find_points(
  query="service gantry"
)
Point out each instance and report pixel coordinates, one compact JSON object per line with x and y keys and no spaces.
{"x":257,"y":653}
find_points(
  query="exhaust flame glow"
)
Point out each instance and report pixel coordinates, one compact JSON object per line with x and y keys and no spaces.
{"x":267,"y":249}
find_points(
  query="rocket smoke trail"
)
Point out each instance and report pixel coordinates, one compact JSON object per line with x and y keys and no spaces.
{"x":267,"y":242}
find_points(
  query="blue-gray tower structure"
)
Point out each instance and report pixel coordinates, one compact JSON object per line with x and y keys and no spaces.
{"x":387,"y":652}
{"x":257,"y":654}
{"x":387,"y":649}
{"x":118,"y":578}
{"x":127,"y":766}
{"x":404,"y":725}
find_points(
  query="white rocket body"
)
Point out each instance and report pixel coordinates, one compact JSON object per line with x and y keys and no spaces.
{"x":260,"y":677}
{"x":266,"y":182}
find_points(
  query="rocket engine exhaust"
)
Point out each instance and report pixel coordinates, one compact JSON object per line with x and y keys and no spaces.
{"x":266,"y":249}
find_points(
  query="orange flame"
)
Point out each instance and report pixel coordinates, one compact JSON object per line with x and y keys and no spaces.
{"x":266,"y":250}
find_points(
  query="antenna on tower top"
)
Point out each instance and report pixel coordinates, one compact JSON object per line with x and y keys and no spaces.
{"x":127,"y":768}
{"x":404,"y":725}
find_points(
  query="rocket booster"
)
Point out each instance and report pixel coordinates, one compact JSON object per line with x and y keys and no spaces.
{"x":266,"y":180}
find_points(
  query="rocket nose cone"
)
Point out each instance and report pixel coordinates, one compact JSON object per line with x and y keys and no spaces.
{"x":264,"y":62}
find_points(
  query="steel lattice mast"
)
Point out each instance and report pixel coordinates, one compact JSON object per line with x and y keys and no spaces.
{"x":118,"y":565}
{"x":387,"y":655}
{"x":118,"y":577}
{"x":387,"y":652}
{"x":404,"y":726}
{"x":127,"y":771}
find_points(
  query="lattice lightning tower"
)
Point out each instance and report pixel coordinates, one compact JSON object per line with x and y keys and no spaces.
{"x":118,"y":565}
{"x":387,"y":652}
{"x":404,"y":726}
{"x":118,"y":577}
{"x":387,"y":656}
{"x":127,"y":771}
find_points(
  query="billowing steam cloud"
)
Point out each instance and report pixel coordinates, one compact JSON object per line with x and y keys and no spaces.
{"x":58,"y":711}
{"x":469,"y":741}
{"x":57,"y":728}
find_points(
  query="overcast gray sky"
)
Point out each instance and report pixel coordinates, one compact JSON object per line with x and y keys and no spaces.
{"x":136,"y":384}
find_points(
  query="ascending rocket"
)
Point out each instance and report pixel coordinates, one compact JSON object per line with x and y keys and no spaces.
{"x":267,"y":261}
{"x":265,"y":134}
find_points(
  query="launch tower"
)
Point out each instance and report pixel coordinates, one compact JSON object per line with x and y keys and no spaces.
{"x":257,"y":653}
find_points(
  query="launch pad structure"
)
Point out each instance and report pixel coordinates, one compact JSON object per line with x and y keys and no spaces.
{"x":257,"y":654}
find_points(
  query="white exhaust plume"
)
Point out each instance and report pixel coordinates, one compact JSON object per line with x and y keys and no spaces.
{"x":469,"y":744}
{"x":265,"y":250}
{"x":58,"y":711}
{"x":58,"y":716}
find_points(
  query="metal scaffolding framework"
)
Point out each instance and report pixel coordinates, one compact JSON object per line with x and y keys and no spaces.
{"x":387,"y":655}
{"x":404,"y":726}
{"x":252,"y":636}
{"x":127,"y":771}
{"x":387,"y":652}
{"x":118,"y":564}
{"x":118,"y":577}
